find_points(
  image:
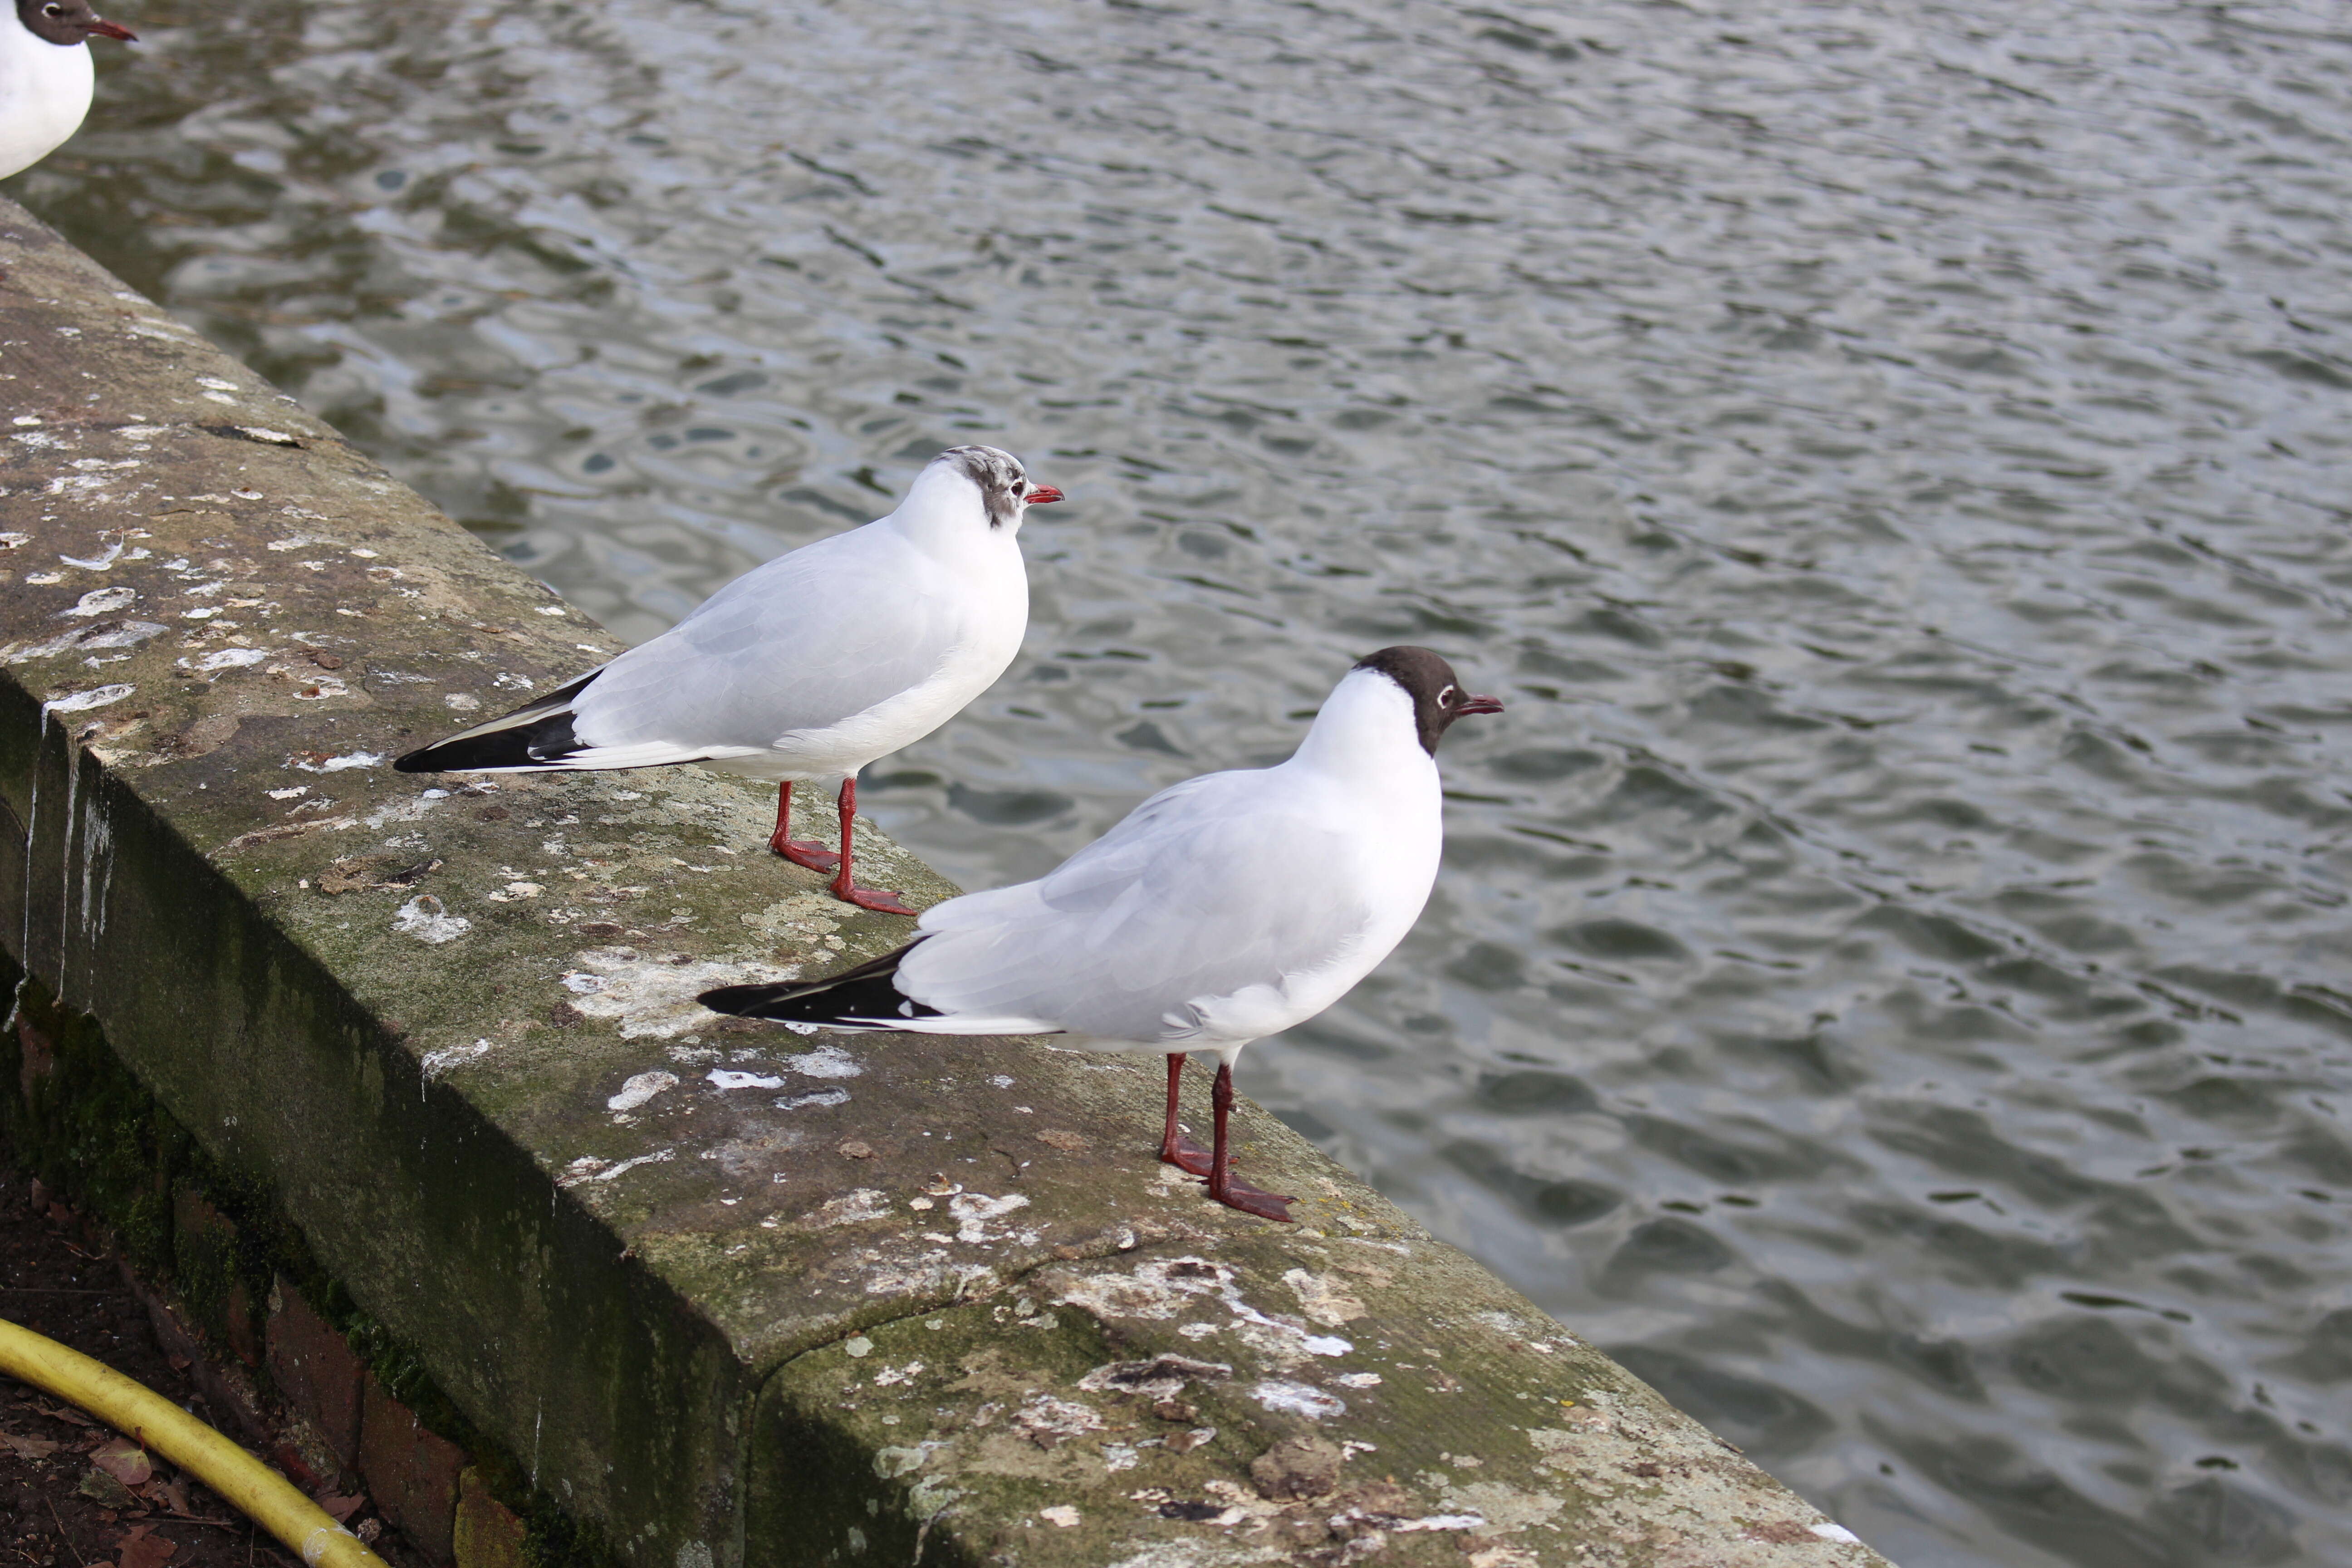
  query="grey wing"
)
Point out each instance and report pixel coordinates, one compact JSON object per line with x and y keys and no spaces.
{"x":802,"y":643}
{"x":1202,"y":893}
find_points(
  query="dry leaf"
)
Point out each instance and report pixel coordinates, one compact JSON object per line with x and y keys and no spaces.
{"x":60,"y":1413}
{"x":353,"y":873}
{"x":124,"y":1459}
{"x":341,"y":1508}
{"x":28,"y":1448}
{"x":106,"y":1491}
{"x":140,"y":1550}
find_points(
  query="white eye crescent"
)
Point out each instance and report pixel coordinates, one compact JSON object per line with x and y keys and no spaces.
{"x":1446,"y":697}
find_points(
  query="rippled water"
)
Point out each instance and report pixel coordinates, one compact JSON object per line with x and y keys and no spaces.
{"x":1888,"y":981}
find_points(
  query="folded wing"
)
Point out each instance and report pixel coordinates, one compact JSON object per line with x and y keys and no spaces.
{"x":1220,"y":909}
{"x":807,"y":641}
{"x":799,"y":646}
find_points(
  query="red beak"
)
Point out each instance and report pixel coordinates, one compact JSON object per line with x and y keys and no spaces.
{"x":114,"y":30}
{"x":1480,"y":705}
{"x":1044,"y":495}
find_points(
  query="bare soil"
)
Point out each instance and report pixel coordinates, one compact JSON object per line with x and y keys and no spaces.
{"x":73,"y":1492}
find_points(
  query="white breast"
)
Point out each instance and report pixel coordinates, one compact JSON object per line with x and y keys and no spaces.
{"x":45,"y":91}
{"x":970,"y":665}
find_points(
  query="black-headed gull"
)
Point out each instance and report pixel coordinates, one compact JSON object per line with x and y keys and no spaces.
{"x":1228,"y":907}
{"x":46,"y":77}
{"x":807,"y":667}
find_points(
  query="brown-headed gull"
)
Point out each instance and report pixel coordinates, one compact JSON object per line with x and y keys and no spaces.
{"x":1225,"y":909}
{"x":46,"y":77}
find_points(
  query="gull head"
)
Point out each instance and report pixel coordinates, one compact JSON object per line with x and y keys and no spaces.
{"x":1438,"y":698}
{"x":68,"y":22}
{"x":1003,"y":487}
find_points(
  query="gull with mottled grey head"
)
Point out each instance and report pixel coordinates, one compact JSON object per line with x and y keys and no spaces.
{"x":808,"y":668}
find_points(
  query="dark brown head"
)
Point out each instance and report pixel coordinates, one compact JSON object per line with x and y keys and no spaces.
{"x":1438,"y":699}
{"x":68,"y":22}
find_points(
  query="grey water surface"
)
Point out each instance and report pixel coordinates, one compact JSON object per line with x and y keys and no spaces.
{"x":1889,"y":979}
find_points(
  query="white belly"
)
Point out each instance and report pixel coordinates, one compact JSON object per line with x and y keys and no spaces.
{"x":838,"y":751}
{"x":45,"y":91}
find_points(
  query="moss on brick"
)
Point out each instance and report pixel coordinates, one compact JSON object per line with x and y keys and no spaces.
{"x":82,"y":1122}
{"x":76,"y":1117}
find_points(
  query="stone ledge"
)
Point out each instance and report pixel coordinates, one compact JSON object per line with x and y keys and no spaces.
{"x":726,"y":1293}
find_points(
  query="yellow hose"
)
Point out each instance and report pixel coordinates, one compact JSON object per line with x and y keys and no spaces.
{"x":153,"y":1422}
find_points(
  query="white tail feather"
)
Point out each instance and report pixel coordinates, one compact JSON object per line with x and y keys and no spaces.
{"x":958,"y":1026}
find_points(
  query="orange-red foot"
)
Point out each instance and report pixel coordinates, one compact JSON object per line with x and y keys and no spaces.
{"x":1186,"y":1156}
{"x":806,"y":852}
{"x":880,"y":899}
{"x":1240,"y":1194}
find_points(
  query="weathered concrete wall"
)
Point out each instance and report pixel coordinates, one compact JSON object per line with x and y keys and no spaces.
{"x":724,"y":1293}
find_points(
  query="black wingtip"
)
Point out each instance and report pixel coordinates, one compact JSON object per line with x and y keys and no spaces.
{"x":746,"y":1001}
{"x":534,"y":745}
{"x":869,"y":991}
{"x":539,"y":744}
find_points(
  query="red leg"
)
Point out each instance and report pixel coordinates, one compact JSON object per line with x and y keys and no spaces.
{"x":806,"y":852}
{"x":844,"y":888}
{"x":1222,"y":1184}
{"x":1175,"y":1149}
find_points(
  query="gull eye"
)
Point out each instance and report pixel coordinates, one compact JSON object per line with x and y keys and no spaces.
{"x":53,"y":10}
{"x":1447,"y":698}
